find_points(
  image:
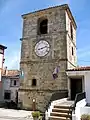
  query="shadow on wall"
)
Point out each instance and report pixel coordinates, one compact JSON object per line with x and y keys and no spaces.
{"x":56,"y":96}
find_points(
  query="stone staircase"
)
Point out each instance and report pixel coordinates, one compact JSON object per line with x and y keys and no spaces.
{"x":61,"y":111}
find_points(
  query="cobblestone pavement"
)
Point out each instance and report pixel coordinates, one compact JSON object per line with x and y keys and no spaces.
{"x":10,"y":114}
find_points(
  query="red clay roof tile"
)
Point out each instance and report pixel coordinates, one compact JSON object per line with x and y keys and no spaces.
{"x":84,"y":68}
{"x":11,"y":73}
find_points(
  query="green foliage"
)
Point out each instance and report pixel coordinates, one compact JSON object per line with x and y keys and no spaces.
{"x":85,"y":117}
{"x":36,"y":114}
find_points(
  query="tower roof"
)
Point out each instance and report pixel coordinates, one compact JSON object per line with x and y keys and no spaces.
{"x":81,"y":68}
{"x":64,"y":6}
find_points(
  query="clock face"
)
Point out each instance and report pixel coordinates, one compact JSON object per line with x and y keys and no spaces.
{"x":42,"y":48}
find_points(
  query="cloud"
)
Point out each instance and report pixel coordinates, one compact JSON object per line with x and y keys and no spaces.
{"x":83,"y":49}
{"x":83,"y":52}
{"x":3,"y":4}
{"x":9,"y":8}
{"x":12,"y":60}
{"x":83,"y":56}
{"x":83,"y":35}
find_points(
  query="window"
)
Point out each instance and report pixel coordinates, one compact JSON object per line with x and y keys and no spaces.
{"x":71,"y":30}
{"x":14,"y":82}
{"x":33,"y":82}
{"x":7,"y":95}
{"x":42,"y":26}
{"x":72,"y":50}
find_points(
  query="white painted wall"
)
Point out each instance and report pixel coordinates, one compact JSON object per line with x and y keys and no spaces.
{"x":0,"y":74}
{"x":80,"y":110}
{"x":87,"y":86}
{"x":86,"y":75}
{"x":80,"y":105}
{"x":1,"y":60}
{"x":85,"y":110}
{"x":6,"y":85}
{"x":71,"y":43}
{"x":1,"y":64}
{"x":13,"y":92}
{"x":68,"y":28}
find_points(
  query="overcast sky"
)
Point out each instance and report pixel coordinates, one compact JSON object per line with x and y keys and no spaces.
{"x":11,"y":26}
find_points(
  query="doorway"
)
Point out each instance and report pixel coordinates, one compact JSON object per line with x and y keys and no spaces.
{"x":76,"y":87}
{"x":16,"y":97}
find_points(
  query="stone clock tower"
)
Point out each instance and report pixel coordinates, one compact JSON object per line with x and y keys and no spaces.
{"x":48,"y":48}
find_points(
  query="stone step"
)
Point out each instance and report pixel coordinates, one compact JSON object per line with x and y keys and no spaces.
{"x":63,"y":106}
{"x":61,"y":110}
{"x":58,"y":118}
{"x":60,"y":114}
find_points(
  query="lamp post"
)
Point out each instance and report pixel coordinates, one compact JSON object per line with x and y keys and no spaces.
{"x":34,"y":105}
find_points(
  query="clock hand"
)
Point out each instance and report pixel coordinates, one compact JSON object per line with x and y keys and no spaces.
{"x":42,"y":48}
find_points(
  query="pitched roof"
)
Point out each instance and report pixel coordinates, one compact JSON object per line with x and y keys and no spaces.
{"x":82,"y":68}
{"x":10,"y":73}
{"x":64,"y":6}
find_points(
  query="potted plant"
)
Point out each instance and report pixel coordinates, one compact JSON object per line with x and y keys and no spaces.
{"x":85,"y":117}
{"x":36,"y":115}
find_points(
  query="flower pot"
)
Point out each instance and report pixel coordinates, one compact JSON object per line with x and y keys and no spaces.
{"x":35,"y":118}
{"x":85,"y":117}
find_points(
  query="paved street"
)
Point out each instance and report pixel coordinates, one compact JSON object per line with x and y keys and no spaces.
{"x":10,"y":114}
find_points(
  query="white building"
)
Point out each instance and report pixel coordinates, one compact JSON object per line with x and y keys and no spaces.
{"x":10,"y":86}
{"x":79,"y":81}
{"x":2,"y":48}
{"x":78,"y":97}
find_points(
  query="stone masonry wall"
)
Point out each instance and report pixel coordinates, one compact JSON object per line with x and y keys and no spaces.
{"x":56,"y":22}
{"x":41,"y":68}
{"x":41,"y":98}
{"x":43,"y":73}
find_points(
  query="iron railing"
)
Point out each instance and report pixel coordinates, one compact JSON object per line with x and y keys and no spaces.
{"x":56,"y":96}
{"x":79,"y":96}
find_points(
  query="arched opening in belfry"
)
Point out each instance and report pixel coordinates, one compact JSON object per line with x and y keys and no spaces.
{"x":42,"y":26}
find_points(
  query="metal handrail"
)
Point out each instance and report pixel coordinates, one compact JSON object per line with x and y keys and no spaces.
{"x":56,"y":96}
{"x":79,"y":96}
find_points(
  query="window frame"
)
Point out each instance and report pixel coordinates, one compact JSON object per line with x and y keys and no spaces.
{"x":72,"y":51}
{"x":12,"y":83}
{"x":71,"y":30}
{"x":5,"y":92}
{"x":15,"y":83}
{"x":40,"y":20}
{"x":34,"y":83}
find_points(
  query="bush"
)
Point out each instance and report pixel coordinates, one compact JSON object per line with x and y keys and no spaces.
{"x":85,"y":117}
{"x":36,"y":114}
